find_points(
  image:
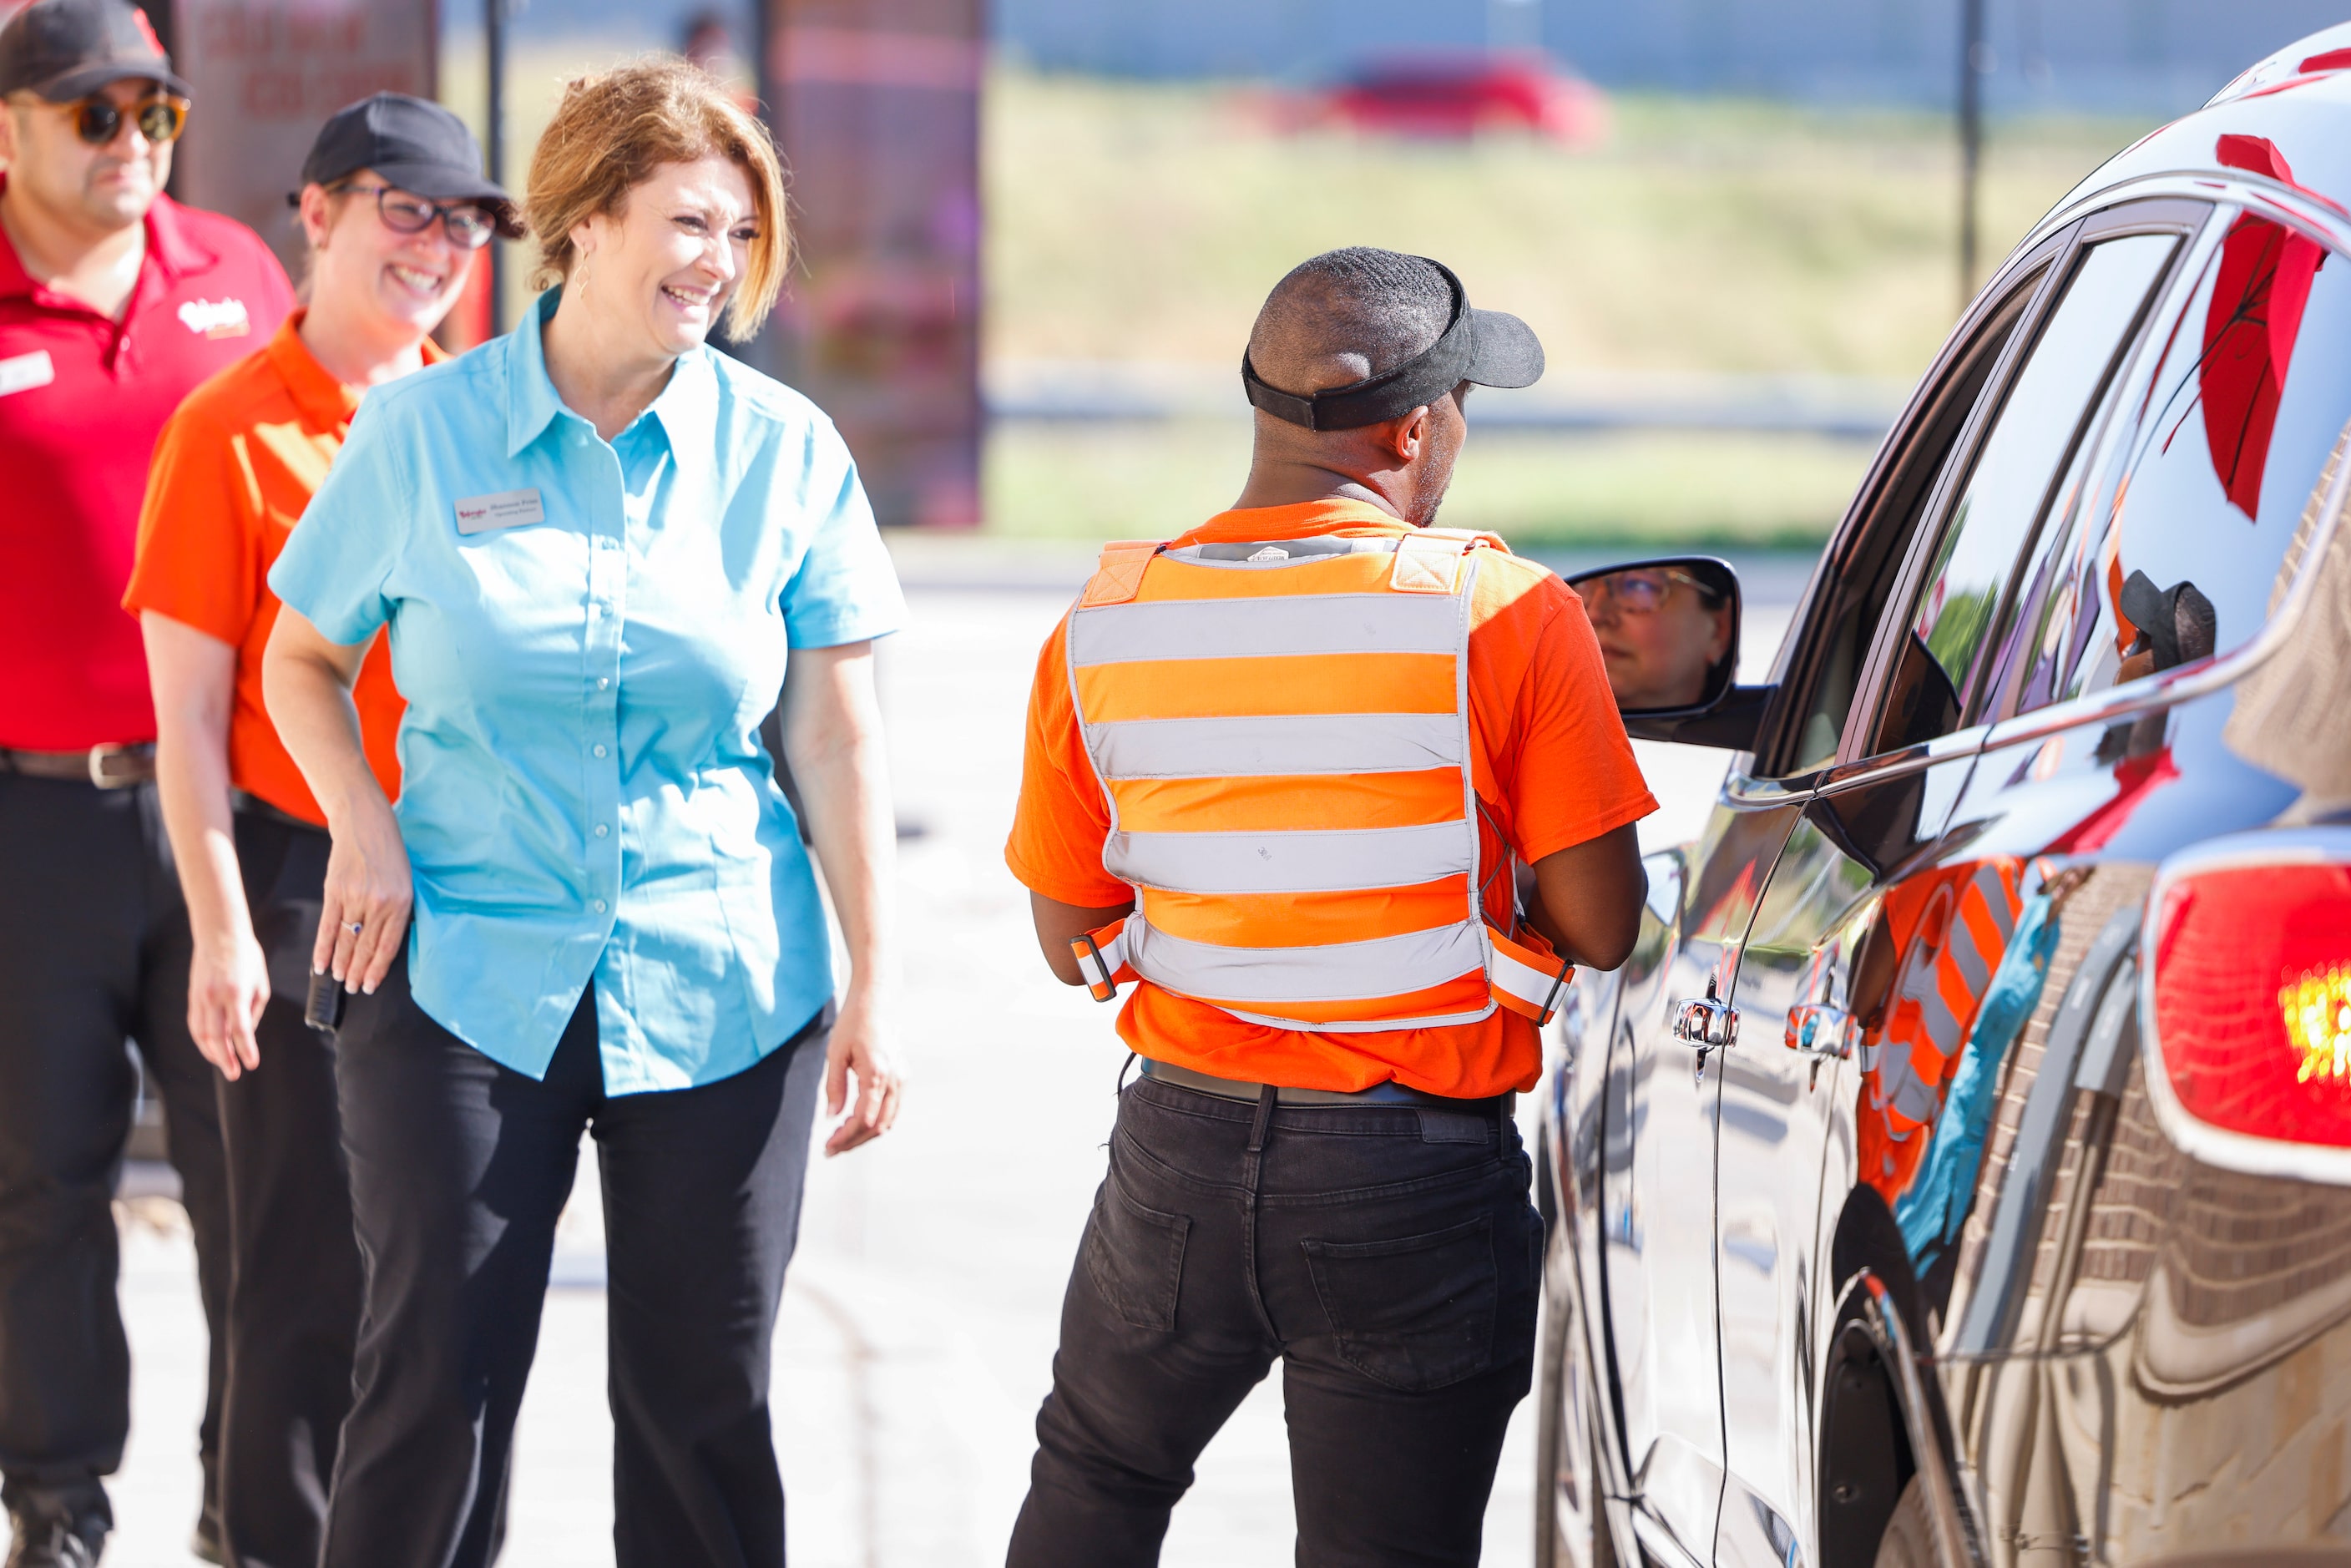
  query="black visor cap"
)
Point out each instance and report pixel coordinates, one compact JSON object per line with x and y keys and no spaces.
{"x":411,"y":145}
{"x":1490,"y":347}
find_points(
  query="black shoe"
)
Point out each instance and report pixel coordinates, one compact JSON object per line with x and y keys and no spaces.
{"x":56,"y":1529}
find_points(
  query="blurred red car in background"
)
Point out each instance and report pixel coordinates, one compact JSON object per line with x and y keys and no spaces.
{"x":1460,"y":95}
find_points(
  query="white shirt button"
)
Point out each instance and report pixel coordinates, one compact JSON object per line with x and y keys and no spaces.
{"x":599,"y":749}
{"x":601,"y":829}
{"x":600,"y":906}
{"x":602,"y":681}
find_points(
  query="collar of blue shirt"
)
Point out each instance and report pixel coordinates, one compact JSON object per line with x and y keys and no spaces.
{"x":687,"y":408}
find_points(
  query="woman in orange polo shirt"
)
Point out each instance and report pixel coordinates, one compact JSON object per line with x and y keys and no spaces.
{"x":395,"y":206}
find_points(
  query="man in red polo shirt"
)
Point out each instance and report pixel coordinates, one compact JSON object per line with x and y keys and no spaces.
{"x":114,"y":302}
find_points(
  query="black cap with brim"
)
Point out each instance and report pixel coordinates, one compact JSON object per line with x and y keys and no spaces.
{"x":1490,"y":347}
{"x":415,"y":145}
{"x":89,"y":78}
{"x":65,"y":50}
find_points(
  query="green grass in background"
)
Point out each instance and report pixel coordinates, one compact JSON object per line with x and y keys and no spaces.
{"x":1130,"y":220}
{"x":1150,"y":482}
{"x":1146,"y":220}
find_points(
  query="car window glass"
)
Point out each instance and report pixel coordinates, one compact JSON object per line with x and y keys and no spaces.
{"x":1994,"y":516}
{"x":1837,"y":639}
{"x":2180,"y":555}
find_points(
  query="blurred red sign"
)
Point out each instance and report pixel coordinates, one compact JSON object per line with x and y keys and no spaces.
{"x":267,"y":74}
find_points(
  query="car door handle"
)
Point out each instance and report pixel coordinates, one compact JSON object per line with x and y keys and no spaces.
{"x":1706,"y":1022}
{"x":1818,"y":1030}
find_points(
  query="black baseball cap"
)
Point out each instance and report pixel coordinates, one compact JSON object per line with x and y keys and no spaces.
{"x":65,"y":50}
{"x":1491,"y":348}
{"x":418,"y":146}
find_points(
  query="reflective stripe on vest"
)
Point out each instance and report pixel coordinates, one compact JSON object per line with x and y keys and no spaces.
{"x":1281,"y":732}
{"x":1939,"y":990}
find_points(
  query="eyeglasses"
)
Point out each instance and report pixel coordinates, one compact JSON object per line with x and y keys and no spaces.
{"x":466,"y":225}
{"x":1641,"y":592}
{"x":98,"y":120}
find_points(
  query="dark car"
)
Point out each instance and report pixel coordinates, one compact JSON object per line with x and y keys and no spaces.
{"x":1959,"y":1171}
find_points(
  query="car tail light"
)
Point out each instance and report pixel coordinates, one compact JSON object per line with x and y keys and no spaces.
{"x":2249,"y":996}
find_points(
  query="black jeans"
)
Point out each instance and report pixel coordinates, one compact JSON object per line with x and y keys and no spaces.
{"x":459,"y":1168}
{"x":93,"y":950}
{"x":1388,"y":1257}
{"x":294,"y":1286}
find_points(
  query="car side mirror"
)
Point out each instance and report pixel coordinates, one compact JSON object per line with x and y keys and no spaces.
{"x":1669,"y":632}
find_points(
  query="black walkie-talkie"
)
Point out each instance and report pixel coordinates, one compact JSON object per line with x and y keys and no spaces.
{"x":324,"y":1010}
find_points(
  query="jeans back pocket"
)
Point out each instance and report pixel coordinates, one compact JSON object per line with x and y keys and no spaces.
{"x":1415,"y":1313}
{"x":1135,"y":1257}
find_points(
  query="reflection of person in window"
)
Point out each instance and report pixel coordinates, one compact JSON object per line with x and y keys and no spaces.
{"x":2169,"y":627}
{"x":1662,"y":631}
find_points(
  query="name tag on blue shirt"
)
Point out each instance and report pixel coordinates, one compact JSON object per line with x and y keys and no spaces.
{"x":506,"y":509}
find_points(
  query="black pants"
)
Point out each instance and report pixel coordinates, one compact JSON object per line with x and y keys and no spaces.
{"x":93,"y":951}
{"x":294,"y":1286}
{"x":459,"y":1167}
{"x":1388,"y":1257}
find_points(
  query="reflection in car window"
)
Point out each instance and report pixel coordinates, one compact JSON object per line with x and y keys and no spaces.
{"x":1839,"y":633}
{"x":2181,"y":547}
{"x":1993,"y":519}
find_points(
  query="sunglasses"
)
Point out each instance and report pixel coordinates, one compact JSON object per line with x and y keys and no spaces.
{"x":1641,"y":592}
{"x":468,"y":226}
{"x":98,"y":120}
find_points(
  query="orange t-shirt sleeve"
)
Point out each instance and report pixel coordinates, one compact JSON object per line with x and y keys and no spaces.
{"x":1574,"y":777}
{"x":1062,"y":821}
{"x":197,"y":557}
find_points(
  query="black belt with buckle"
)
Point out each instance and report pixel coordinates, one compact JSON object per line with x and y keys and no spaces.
{"x":105,"y":767}
{"x":1378,"y":1094}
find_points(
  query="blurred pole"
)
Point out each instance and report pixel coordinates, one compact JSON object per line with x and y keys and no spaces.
{"x":1972,"y":50}
{"x":875,"y":105}
{"x":494,"y":145}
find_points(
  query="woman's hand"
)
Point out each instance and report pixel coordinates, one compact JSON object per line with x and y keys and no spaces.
{"x":833,"y":738}
{"x":194,"y":677}
{"x":365,"y":916}
{"x":228,"y":985}
{"x":307,"y":680}
{"x":860,"y":1048}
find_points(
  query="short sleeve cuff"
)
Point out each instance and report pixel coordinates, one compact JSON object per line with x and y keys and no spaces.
{"x":1081,"y":893}
{"x":834,"y":630}
{"x":1566,"y":838}
{"x":143,"y":598}
{"x":348,"y":627}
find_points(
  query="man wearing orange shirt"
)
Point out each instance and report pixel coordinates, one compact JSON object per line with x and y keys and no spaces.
{"x":1279,"y":772}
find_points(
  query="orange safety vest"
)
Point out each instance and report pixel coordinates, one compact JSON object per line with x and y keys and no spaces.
{"x":1282,"y":734}
{"x":1945,"y":967}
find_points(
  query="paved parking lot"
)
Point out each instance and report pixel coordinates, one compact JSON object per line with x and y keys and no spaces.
{"x":919,"y":1323}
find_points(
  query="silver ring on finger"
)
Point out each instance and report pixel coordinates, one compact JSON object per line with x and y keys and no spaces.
{"x":356,"y":926}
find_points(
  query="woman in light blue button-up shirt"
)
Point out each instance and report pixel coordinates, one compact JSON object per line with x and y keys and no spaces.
{"x":600,"y":548}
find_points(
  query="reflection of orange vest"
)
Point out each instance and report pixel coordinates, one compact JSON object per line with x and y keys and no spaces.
{"x":1282,"y":735}
{"x":1947,"y":962}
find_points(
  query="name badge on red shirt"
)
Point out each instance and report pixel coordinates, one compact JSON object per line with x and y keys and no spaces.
{"x":23,"y":372}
